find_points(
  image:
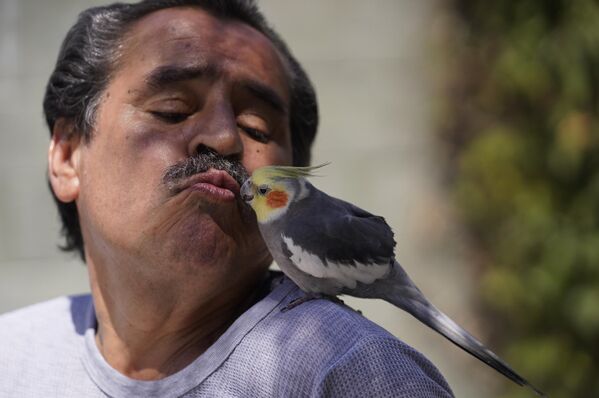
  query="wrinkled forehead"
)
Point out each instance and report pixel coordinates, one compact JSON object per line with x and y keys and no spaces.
{"x":192,"y":36}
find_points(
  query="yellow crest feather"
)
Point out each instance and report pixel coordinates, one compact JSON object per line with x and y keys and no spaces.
{"x":273,"y":172}
{"x":265,"y":205}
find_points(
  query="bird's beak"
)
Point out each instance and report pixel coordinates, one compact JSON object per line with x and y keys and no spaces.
{"x":247,"y":194}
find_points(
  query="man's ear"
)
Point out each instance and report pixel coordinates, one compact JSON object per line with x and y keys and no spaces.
{"x":63,"y":160}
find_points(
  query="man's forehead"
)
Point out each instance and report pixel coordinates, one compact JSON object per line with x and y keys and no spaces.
{"x":175,"y":22}
{"x":190,"y":32}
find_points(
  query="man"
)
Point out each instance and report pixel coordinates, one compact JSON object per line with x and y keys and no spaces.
{"x":157,"y":112}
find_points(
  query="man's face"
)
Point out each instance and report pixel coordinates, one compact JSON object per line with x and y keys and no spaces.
{"x":185,"y":82}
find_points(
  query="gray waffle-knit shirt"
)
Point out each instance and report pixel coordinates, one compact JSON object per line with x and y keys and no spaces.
{"x":318,"y":349}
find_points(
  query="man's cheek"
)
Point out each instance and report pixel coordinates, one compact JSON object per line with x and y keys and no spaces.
{"x":164,"y":218}
{"x":276,"y":155}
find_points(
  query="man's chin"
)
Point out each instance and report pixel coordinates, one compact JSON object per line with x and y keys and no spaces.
{"x":225,"y":213}
{"x":195,"y":221}
{"x":192,"y":203}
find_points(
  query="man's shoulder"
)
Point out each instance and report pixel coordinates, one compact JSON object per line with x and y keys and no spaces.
{"x":320,"y":322}
{"x":325,"y":319}
{"x":40,"y":347}
{"x":41,"y":312}
{"x":336,"y":347}
{"x":52,"y":320}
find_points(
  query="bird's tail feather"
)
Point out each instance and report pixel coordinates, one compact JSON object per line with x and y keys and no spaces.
{"x":403,"y":293}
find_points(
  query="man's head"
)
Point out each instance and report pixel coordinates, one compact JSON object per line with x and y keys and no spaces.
{"x":167,"y":88}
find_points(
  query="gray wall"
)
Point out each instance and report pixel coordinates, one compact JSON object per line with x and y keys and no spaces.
{"x":371,"y":62}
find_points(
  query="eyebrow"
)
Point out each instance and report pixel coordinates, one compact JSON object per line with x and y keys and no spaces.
{"x":265,"y":94}
{"x":169,"y":74}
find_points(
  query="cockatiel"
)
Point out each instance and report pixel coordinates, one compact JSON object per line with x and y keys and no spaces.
{"x":330,"y":247}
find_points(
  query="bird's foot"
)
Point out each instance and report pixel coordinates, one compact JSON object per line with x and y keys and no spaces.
{"x":309,"y":297}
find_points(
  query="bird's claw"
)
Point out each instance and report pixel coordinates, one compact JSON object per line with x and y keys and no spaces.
{"x":309,"y":297}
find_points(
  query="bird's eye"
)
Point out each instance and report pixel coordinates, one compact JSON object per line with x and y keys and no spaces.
{"x":263,"y":189}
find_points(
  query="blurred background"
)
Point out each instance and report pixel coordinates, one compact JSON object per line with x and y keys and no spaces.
{"x":472,"y":126}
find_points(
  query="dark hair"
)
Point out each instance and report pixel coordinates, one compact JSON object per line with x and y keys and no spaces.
{"x":87,"y":58}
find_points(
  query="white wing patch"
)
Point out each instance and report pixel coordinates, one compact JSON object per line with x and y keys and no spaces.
{"x":346,"y":274}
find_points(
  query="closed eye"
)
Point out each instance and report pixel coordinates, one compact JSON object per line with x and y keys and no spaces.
{"x":256,"y":134}
{"x":170,"y":117}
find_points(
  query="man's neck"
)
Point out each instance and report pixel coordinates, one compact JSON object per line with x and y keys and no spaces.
{"x":155,"y":334}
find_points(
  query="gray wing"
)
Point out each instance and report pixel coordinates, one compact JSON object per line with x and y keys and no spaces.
{"x":333,"y":239}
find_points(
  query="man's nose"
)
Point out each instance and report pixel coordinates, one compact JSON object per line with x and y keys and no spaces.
{"x":217,"y":129}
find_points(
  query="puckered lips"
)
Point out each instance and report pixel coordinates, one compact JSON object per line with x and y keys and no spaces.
{"x":216,"y":185}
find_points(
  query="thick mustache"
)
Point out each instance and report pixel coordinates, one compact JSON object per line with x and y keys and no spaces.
{"x":202,"y":162}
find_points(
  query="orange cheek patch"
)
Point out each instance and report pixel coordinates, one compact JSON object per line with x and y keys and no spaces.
{"x":276,"y":199}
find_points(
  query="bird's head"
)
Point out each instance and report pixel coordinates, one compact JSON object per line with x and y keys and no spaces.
{"x":271,"y":189}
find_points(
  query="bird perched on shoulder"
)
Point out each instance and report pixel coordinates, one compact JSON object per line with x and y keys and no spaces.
{"x":330,"y":247}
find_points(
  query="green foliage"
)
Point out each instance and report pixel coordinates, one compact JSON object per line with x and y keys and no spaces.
{"x":522,"y":129}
